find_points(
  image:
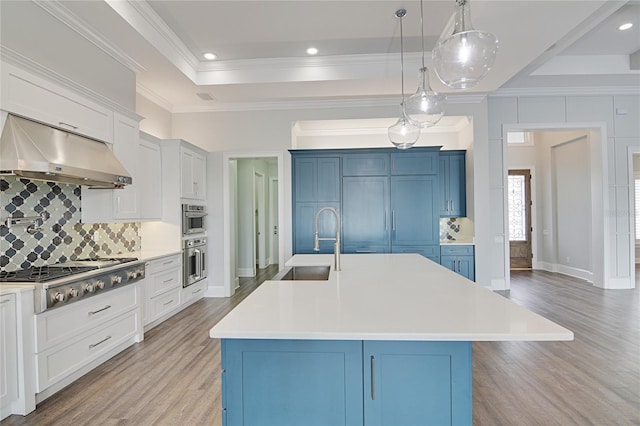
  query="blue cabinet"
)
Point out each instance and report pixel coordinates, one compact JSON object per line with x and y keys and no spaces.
{"x":316,"y":184}
{"x":417,"y":383}
{"x":431,"y":252}
{"x":365,"y":212}
{"x":291,"y":382}
{"x":365,"y":164}
{"x":321,"y":382}
{"x":414,"y":210}
{"x":460,"y":259}
{"x":453,"y":191}
{"x":414,"y":163}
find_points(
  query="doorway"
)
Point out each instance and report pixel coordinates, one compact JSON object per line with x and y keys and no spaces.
{"x":520,"y":248}
{"x":246,"y":180}
{"x":273,"y":221}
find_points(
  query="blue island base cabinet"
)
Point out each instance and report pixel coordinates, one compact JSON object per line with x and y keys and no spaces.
{"x":331,"y":382}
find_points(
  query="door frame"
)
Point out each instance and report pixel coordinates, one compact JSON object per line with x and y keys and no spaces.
{"x":273,"y":213}
{"x":600,"y":250}
{"x":632,"y":150}
{"x":227,"y":236}
{"x":259,"y":206}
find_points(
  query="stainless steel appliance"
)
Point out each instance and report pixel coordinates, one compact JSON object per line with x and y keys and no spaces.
{"x":36,"y":151}
{"x":195,"y":261}
{"x":64,"y":283}
{"x":194,"y":219}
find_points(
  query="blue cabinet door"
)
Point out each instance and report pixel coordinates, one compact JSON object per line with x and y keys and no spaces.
{"x":417,"y":383}
{"x":365,"y":210}
{"x":453,"y":192}
{"x":292,"y":382}
{"x":316,"y":179}
{"x":303,"y":233}
{"x":414,"y":210}
{"x":414,"y":163}
{"x":463,"y":265}
{"x":365,"y":165}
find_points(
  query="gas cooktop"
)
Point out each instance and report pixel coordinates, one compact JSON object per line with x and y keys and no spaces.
{"x":41,"y":274}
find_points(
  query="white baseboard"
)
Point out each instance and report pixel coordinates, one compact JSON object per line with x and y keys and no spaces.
{"x":217,"y":291}
{"x":619,"y":284}
{"x":567,"y":270}
{"x":245,"y":272}
{"x":498,"y":284}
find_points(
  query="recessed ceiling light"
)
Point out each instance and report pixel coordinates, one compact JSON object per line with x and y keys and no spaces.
{"x":312,"y":51}
{"x":625,"y":26}
{"x":210,"y":56}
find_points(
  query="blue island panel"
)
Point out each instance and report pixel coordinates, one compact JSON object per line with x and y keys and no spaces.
{"x":292,"y":382}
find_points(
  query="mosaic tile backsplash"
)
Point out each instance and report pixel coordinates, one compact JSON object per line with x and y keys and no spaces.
{"x":455,"y":229}
{"x":60,"y":236}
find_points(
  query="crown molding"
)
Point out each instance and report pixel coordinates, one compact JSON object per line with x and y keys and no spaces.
{"x":372,"y":102}
{"x":21,"y":61}
{"x":148,"y":23}
{"x":153,"y":97}
{"x":68,"y":18}
{"x":567,"y":91}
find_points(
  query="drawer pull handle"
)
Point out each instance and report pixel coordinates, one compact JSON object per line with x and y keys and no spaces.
{"x":99,"y":310}
{"x":373,"y":378}
{"x":93,"y":345}
{"x":168,"y":303}
{"x":365,"y":251}
{"x":197,"y":291}
{"x":5,"y":301}
{"x":62,"y":123}
{"x":412,"y":251}
{"x":168,"y":262}
{"x":167,"y":281}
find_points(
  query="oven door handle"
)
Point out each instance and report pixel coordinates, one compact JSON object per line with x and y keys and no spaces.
{"x":203,"y":265}
{"x":198,"y":270}
{"x":190,"y":214}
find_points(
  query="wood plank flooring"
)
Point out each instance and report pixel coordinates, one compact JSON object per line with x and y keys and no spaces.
{"x":173,"y":377}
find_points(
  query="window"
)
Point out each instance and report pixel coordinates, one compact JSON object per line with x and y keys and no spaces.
{"x":517,"y":212}
{"x":519,"y":138}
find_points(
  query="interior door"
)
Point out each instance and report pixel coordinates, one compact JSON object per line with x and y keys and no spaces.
{"x":520,"y":219}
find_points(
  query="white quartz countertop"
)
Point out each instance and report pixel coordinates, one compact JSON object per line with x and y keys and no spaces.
{"x":383,"y":297}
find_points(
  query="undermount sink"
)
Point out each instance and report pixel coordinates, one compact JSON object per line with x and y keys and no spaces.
{"x":304,"y":273}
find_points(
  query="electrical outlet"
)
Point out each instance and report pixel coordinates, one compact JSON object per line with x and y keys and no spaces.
{"x":568,"y":259}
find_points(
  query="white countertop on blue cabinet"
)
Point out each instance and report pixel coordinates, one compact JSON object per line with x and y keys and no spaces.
{"x":402,"y":297}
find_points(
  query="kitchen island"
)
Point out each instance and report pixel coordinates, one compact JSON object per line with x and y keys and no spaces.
{"x":384,"y":341}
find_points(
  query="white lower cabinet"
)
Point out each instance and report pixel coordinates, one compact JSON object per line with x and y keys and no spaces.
{"x":17,"y":375}
{"x":8,"y":351}
{"x":74,"y":339}
{"x":163,"y":282}
{"x":194,"y":292}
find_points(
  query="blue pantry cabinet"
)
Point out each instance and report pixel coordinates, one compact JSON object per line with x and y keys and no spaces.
{"x":353,"y":382}
{"x":365,"y":214}
{"x":453,"y":189}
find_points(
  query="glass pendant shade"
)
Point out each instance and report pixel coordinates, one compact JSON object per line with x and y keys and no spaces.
{"x":403,"y":134}
{"x":425,"y":107}
{"x":465,"y":57}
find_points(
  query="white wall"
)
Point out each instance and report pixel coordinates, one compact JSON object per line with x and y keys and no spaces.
{"x":616,"y":117}
{"x":156,"y":120}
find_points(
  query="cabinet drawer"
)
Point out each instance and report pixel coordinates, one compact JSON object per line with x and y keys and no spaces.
{"x":456,"y":250}
{"x":426,"y":251}
{"x":163,"y":304}
{"x":57,"y":363}
{"x":194,"y":291}
{"x":62,"y":324}
{"x":365,"y":165}
{"x":411,"y":163}
{"x":162,"y":264}
{"x":365,"y":249}
{"x":162,"y":281}
{"x":40,"y":100}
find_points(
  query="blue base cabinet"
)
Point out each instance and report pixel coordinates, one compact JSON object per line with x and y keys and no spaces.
{"x":325,"y":382}
{"x":460,"y":259}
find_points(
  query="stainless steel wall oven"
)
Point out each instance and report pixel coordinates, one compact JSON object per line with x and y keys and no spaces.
{"x":194,"y":219}
{"x":195,"y":261}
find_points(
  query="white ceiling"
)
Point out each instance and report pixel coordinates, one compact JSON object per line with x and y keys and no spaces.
{"x":261,"y":60}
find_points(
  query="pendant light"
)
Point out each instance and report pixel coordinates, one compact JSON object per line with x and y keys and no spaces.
{"x":425,"y":107}
{"x":403,"y":134}
{"x":463,"y":58}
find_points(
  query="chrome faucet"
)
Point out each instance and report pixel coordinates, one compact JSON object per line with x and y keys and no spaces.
{"x":336,"y":246}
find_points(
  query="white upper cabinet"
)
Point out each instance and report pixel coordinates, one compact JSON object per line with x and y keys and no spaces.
{"x":30,"y":96}
{"x":149,"y":177}
{"x":126,"y":148}
{"x":192,"y":174}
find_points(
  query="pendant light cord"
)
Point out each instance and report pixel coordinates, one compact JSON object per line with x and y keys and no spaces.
{"x":401,"y":61}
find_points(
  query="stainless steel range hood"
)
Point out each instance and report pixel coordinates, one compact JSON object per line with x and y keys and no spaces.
{"x":36,"y":151}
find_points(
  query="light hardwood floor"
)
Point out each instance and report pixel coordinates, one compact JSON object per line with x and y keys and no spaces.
{"x":173,"y":377}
